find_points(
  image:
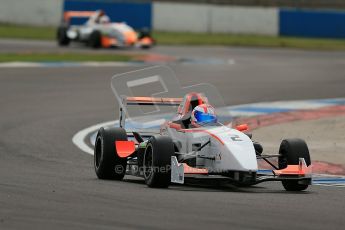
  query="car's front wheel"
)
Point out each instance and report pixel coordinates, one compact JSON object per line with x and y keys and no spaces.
{"x":107,"y":164}
{"x":62,"y":38}
{"x":157,"y":161}
{"x":290,"y":151}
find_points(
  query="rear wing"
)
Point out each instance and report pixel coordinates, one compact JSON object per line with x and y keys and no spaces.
{"x":161,"y":101}
{"x":153,"y":101}
{"x":77,"y":14}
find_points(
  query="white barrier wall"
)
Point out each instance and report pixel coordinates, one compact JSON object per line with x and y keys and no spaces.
{"x":166,"y":16}
{"x":31,"y":12}
{"x":180,"y":17}
{"x":247,"y":20}
{"x":215,"y":19}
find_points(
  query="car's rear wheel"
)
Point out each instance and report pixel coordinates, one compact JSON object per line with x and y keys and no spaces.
{"x":157,"y":162}
{"x":62,"y":38}
{"x":95,"y":39}
{"x":144,"y":32}
{"x":108,"y":165}
{"x":291,"y":150}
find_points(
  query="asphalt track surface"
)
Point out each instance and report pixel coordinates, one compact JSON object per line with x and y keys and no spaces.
{"x":48,"y":183}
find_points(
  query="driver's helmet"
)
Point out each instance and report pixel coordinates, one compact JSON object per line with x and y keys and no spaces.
{"x":203,"y":114}
{"x":104,"y":19}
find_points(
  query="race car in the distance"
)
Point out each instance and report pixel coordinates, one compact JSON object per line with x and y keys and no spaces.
{"x":194,"y":145}
{"x":98,"y":31}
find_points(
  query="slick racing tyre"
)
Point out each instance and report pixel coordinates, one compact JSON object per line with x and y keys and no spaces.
{"x":62,"y":37}
{"x":291,"y":150}
{"x":108,"y":165}
{"x":95,"y":39}
{"x":144,"y":32}
{"x":157,"y":162}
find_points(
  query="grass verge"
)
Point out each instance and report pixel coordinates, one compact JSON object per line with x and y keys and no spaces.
{"x":27,"y":32}
{"x":169,"y":38}
{"x":174,"y":38}
{"x":62,"y":57}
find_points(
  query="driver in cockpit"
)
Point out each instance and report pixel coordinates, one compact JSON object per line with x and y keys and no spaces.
{"x":99,"y":17}
{"x":203,"y":114}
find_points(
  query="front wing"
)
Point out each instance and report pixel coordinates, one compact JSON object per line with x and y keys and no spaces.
{"x":180,"y":173}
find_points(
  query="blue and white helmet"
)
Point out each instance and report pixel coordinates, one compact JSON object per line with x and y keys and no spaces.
{"x":203,"y":113}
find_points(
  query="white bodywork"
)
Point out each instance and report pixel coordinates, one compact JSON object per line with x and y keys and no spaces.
{"x":232,"y":150}
{"x":116,"y":30}
{"x":95,"y":23}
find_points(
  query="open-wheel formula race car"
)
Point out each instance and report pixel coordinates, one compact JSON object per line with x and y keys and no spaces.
{"x":98,"y":31}
{"x":193,"y":145}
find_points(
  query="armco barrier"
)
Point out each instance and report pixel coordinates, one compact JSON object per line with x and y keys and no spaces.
{"x":312,"y":23}
{"x":135,"y":14}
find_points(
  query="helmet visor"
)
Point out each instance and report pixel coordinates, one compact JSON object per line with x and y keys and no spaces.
{"x":204,"y":117}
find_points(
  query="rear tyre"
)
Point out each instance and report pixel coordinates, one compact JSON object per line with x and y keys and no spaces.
{"x":291,"y":150}
{"x":95,"y":39}
{"x":144,"y":32}
{"x":157,"y":162}
{"x":61,"y":35}
{"x":108,"y":165}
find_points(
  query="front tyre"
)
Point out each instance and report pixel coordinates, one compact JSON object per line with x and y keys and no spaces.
{"x":108,"y":165}
{"x":157,"y":162}
{"x":291,"y":150}
{"x":61,"y":35}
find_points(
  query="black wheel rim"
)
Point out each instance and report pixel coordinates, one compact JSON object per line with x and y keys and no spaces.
{"x":148,"y":160}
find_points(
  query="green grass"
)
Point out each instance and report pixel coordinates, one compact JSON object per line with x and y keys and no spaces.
{"x":27,"y":32}
{"x":61,"y":57}
{"x":174,"y":38}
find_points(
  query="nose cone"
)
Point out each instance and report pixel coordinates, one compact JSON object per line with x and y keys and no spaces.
{"x":237,"y":150}
{"x":242,"y":154}
{"x":130,"y":37}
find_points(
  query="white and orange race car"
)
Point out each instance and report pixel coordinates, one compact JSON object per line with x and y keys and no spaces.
{"x":99,"y":31}
{"x":179,"y":152}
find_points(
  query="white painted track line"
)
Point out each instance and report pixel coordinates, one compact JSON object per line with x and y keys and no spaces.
{"x":79,"y":138}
